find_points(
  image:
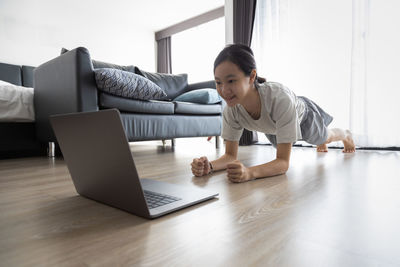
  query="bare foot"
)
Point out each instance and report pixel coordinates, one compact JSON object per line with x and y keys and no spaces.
{"x":348,"y":143}
{"x":322,"y":148}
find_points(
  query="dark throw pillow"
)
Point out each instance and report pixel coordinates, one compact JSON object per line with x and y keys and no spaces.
{"x":173,"y":85}
{"x":127,"y":84}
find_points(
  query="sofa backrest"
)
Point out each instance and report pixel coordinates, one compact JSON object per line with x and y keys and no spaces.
{"x":173,"y":85}
{"x":97,"y":64}
{"x":16,"y":74}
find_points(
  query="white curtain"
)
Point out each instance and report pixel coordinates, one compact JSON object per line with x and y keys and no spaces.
{"x":344,"y":55}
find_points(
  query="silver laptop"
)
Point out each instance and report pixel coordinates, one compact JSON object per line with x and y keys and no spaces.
{"x":97,"y":153}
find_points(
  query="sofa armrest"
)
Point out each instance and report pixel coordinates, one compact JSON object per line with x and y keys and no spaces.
{"x":200,"y":85}
{"x":65,"y":84}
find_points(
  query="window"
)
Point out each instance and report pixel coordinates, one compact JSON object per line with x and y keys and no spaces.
{"x":193,"y":51}
{"x":342,"y":54}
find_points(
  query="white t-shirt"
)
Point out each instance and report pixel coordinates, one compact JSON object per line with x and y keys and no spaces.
{"x":281,"y":114}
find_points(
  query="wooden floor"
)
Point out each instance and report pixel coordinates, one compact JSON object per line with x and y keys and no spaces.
{"x":330,"y":209}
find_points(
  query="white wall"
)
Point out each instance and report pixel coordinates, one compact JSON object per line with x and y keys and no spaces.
{"x":34,"y":31}
{"x":117,"y":31}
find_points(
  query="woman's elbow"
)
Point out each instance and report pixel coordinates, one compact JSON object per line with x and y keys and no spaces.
{"x":284,"y":166}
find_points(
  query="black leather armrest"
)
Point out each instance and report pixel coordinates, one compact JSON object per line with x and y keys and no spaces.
{"x":200,"y":85}
{"x":65,"y":84}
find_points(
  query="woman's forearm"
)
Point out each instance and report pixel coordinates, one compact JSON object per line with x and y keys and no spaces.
{"x":220,"y":163}
{"x":272,"y":168}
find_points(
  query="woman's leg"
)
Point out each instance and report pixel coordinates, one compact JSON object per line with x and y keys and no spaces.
{"x":337,"y":134}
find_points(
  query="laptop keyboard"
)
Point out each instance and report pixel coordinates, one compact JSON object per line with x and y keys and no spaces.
{"x":155,"y":200}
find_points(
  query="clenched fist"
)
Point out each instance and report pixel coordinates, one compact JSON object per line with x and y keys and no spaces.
{"x":201,"y":166}
{"x":237,"y":172}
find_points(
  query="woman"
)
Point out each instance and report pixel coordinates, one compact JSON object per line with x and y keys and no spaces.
{"x":268,"y":107}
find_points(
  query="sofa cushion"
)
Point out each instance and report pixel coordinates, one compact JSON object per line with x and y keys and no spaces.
{"x":27,"y":76}
{"x":173,"y":85}
{"x":135,"y":106}
{"x":200,"y":109}
{"x":139,"y":127}
{"x":10,"y":73}
{"x":200,"y":96}
{"x":126,"y":84}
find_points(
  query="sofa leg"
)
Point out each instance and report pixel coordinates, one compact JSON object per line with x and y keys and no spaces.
{"x":217,"y":142}
{"x":173,"y":142}
{"x":51,"y":150}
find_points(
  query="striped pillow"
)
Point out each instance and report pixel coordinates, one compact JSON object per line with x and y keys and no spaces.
{"x":127,"y":84}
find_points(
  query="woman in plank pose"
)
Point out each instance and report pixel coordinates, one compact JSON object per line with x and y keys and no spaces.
{"x":267,"y":107}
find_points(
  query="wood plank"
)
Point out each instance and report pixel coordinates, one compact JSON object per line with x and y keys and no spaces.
{"x":329,"y":209}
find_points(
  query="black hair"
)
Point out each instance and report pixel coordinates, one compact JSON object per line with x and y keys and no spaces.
{"x":240,"y":55}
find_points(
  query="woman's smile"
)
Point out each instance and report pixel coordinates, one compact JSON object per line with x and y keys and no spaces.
{"x":229,"y":99}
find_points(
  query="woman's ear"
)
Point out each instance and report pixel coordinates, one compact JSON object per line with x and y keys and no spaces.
{"x":253,"y":76}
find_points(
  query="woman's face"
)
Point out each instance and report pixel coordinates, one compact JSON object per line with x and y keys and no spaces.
{"x":231,"y":82}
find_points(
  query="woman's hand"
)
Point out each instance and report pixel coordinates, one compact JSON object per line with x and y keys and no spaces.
{"x":237,"y":172}
{"x":201,"y":166}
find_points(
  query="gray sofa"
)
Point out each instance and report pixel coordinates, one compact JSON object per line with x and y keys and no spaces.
{"x":67,"y":84}
{"x":18,"y":139}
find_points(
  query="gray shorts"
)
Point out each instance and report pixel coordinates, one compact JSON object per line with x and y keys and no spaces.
{"x":313,"y":125}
